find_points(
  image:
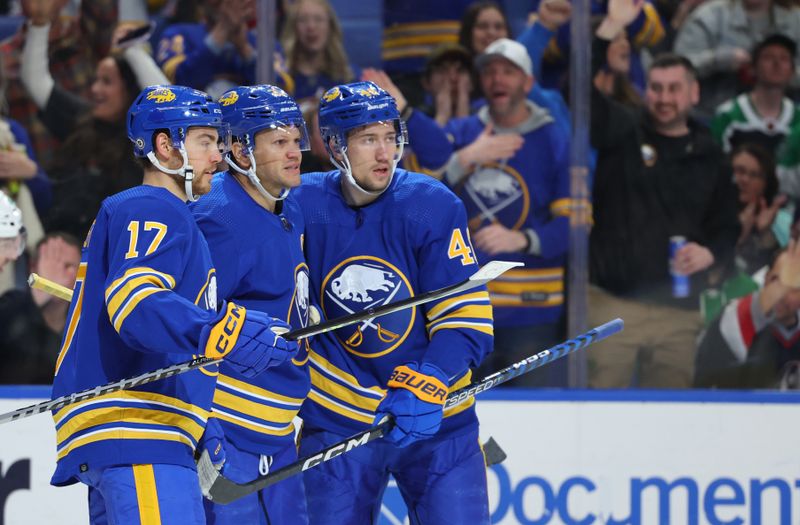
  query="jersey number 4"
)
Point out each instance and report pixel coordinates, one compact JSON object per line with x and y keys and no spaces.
{"x":460,"y":248}
{"x":133,"y":227}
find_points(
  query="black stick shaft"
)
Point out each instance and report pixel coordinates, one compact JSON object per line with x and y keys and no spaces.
{"x":225,"y":491}
{"x":479,"y":278}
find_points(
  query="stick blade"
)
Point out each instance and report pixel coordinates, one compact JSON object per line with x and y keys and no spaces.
{"x":214,"y":485}
{"x":492,"y":270}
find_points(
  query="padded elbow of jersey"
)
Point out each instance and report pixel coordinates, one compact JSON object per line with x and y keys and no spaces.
{"x":219,"y":337}
{"x":428,"y":383}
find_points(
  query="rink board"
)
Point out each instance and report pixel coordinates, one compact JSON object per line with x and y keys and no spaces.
{"x":574,"y":457}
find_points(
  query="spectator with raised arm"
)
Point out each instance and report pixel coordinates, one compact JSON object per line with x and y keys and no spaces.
{"x":644,"y":32}
{"x":659,"y":174}
{"x":92,"y":162}
{"x":74,"y":45}
{"x":718,"y":38}
{"x":218,"y":52}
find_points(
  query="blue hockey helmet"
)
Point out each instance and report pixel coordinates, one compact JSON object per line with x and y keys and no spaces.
{"x":349,"y":106}
{"x":174,"y":108}
{"x":250,"y":109}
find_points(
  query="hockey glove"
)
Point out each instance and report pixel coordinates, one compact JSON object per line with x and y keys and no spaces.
{"x":415,"y":399}
{"x":213,"y":441}
{"x":249,"y":341}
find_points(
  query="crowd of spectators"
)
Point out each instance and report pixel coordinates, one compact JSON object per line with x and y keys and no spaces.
{"x":694,"y":133}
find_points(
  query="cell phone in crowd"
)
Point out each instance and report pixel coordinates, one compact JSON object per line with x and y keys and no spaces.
{"x":136,"y":36}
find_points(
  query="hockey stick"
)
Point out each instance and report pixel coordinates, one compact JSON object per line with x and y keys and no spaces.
{"x":490,"y":271}
{"x":51,"y":287}
{"x":222,"y":490}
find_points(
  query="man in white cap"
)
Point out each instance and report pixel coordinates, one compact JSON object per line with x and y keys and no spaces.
{"x":510,"y":168}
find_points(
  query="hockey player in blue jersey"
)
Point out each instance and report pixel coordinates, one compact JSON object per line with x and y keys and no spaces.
{"x":254,"y":230}
{"x":146,"y":298}
{"x":376,"y":234}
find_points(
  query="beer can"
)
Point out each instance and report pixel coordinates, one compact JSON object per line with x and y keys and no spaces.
{"x":680,"y":282}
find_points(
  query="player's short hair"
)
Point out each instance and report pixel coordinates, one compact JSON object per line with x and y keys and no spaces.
{"x":667,"y":60}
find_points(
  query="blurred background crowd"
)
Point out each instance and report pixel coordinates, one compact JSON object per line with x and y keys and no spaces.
{"x":691,"y":179}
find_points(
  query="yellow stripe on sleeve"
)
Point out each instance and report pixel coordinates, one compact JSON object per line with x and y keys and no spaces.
{"x":445,"y":305}
{"x":102,"y":416}
{"x":247,"y":388}
{"x":321,"y":400}
{"x":124,"y":291}
{"x":146,"y":495}
{"x":132,"y":396}
{"x":139,"y":270}
{"x":340,"y":392}
{"x":485,"y":328}
{"x":288,"y":428}
{"x":343,"y":376}
{"x":517,"y":287}
{"x":116,"y":433}
{"x":251,"y":408}
{"x":130,"y":305}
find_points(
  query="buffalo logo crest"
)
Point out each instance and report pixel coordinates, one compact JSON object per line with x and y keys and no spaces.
{"x":366,"y":282}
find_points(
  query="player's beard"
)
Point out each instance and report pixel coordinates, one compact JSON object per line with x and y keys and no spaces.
{"x":201,"y":184}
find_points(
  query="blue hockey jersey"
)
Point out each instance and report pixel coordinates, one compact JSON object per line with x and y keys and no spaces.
{"x":530,"y":191}
{"x":144,"y":291}
{"x":411,"y":240}
{"x":260,"y":265}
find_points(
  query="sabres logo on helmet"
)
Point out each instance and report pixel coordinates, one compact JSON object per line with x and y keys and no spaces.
{"x":366,"y":282}
{"x":331,"y":95}
{"x":161,"y":95}
{"x":495,"y":193}
{"x":229,"y":98}
{"x":277,"y":92}
{"x":369,"y":92}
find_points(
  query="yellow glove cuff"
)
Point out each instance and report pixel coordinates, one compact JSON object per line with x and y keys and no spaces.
{"x":225,"y":333}
{"x":425,"y":387}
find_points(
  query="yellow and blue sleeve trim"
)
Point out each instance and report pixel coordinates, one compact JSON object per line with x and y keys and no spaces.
{"x":565,"y":207}
{"x":417,"y":39}
{"x":537,"y":288}
{"x":652,"y":31}
{"x":128,"y":415}
{"x":340,"y":392}
{"x":471,"y":311}
{"x":253,"y":408}
{"x":126,"y":292}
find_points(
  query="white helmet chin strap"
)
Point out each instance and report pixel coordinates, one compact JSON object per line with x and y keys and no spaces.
{"x":185,"y":172}
{"x":344,"y":167}
{"x":250,"y":173}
